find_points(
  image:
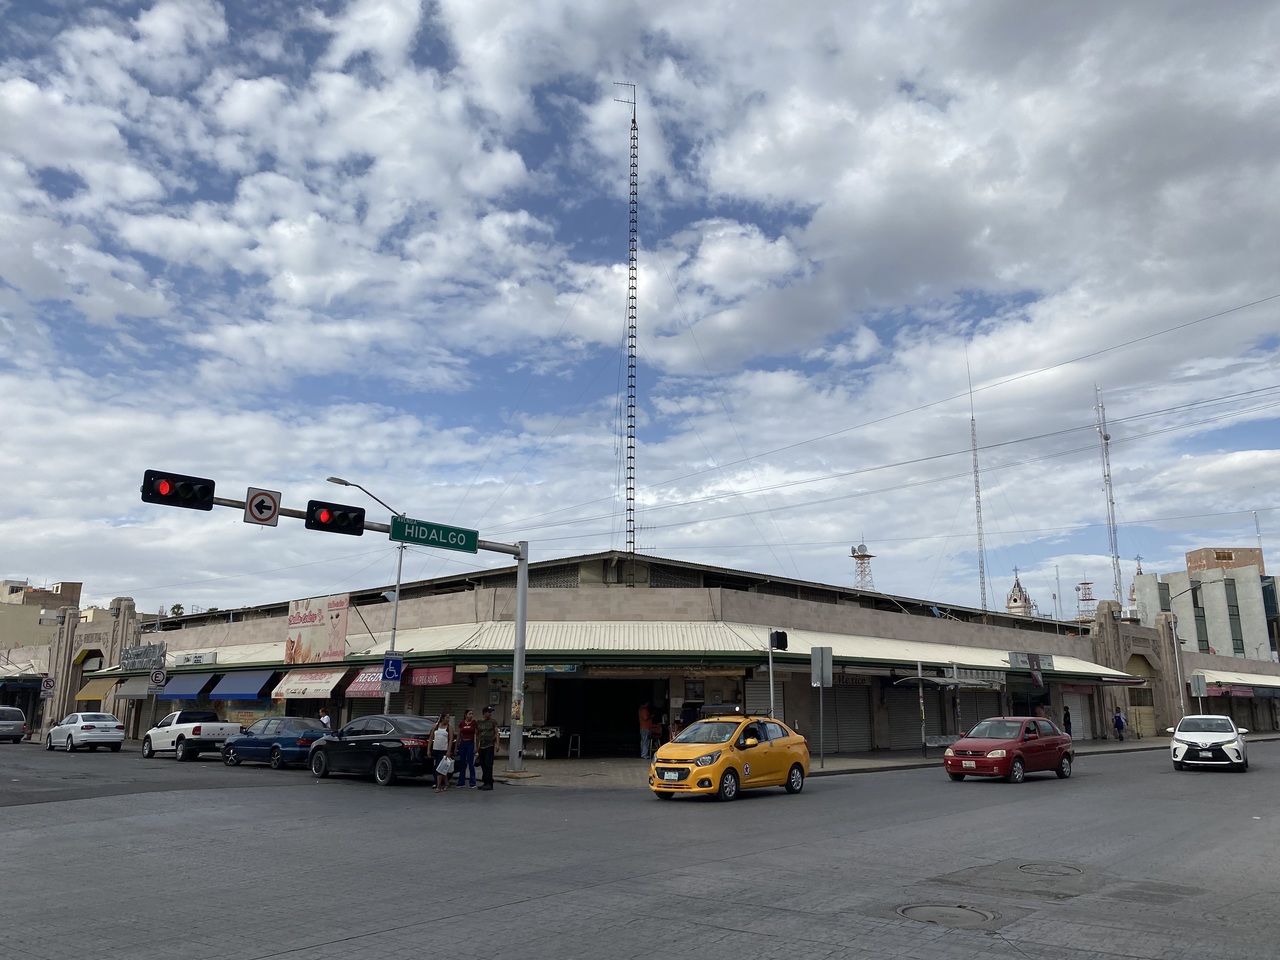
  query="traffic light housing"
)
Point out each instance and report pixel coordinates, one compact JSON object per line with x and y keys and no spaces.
{"x":335,"y":518}
{"x":778,"y":639}
{"x":177,"y":490}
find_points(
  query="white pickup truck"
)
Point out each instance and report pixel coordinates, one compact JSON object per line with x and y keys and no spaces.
{"x":188,"y":733}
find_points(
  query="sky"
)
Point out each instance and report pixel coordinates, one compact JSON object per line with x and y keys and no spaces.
{"x":267,"y":243}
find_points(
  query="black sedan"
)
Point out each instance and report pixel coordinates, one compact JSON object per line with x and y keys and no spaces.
{"x":278,"y":741}
{"x":387,"y":746}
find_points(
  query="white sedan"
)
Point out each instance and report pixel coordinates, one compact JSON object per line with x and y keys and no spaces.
{"x":1209,"y":741}
{"x":90,"y":730}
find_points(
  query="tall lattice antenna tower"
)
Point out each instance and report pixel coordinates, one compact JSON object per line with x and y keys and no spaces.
{"x":862,"y":572}
{"x":633,"y":244}
{"x":1104,"y":438}
{"x":977,"y":488}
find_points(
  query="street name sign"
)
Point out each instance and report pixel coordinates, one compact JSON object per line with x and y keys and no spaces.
{"x":427,"y":534}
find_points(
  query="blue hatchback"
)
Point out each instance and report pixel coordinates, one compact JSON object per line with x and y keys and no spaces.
{"x":278,"y":741}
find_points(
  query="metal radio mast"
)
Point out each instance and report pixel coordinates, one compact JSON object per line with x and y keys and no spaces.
{"x":1105,"y":439}
{"x":977,"y":489}
{"x":632,"y":284}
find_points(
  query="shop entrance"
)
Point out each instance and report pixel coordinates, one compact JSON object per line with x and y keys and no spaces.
{"x":603,"y":713}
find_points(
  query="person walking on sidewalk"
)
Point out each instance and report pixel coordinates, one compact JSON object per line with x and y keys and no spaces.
{"x":467,"y":748}
{"x":486,"y":742}
{"x":646,"y":730}
{"x":1066,"y":720}
{"x":1118,"y":722}
{"x":441,"y":747}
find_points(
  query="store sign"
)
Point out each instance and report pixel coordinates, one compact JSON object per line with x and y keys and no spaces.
{"x":148,"y":656}
{"x":431,"y":677}
{"x":195,"y":659}
{"x":317,"y":630}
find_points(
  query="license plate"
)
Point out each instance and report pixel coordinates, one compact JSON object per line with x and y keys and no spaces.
{"x":1206,"y":753}
{"x":670,"y":774}
{"x":969,"y":764}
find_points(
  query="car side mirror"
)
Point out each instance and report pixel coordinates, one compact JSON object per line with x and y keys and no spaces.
{"x":751,"y":742}
{"x":1169,"y":730}
{"x":1241,"y":730}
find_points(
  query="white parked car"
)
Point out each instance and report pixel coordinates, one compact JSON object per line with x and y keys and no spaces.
{"x":90,"y":730}
{"x":1209,"y":741}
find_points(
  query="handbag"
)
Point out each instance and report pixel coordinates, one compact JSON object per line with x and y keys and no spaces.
{"x":445,"y":766}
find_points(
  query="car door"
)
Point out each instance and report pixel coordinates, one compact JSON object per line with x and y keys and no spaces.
{"x":63,"y":729}
{"x":162,"y":736}
{"x":1054,"y":741}
{"x":343,"y":749}
{"x":249,"y":744}
{"x":375,"y":731}
{"x":754,"y":759}
{"x":1034,"y":747}
{"x":778,"y":757}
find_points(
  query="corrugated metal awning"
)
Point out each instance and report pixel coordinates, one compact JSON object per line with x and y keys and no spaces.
{"x":1230,"y":679}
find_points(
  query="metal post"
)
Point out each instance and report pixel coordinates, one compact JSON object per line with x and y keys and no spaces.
{"x":771,"y":673}
{"x":1177,"y":662}
{"x":395,"y":617}
{"x":924,"y":750}
{"x":822,"y":733}
{"x":516,"y":743}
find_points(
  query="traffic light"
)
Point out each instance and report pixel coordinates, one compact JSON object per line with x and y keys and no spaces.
{"x":175,"y":490}
{"x":778,"y":639}
{"x":335,"y":518}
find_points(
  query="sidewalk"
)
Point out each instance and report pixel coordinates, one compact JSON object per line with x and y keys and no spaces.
{"x":634,"y":774}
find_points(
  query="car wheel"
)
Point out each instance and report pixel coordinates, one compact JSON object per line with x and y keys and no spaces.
{"x":795,"y":779}
{"x":148,"y":751}
{"x":663,"y":794}
{"x":71,"y":744}
{"x":1017,"y":772}
{"x":384,"y":772}
{"x":230,"y":757}
{"x":319,"y":764}
{"x":115,"y":747}
{"x":277,"y":759}
{"x":1064,"y":767}
{"x":956,"y":776}
{"x":180,"y":751}
{"x":48,"y":742}
{"x":728,"y":786}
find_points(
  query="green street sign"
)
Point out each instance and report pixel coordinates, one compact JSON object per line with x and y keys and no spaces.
{"x":426,"y":534}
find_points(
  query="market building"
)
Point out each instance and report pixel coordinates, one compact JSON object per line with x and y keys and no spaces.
{"x":607,"y":632}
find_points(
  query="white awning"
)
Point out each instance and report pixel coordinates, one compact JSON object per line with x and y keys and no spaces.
{"x":310,"y":684}
{"x":1229,"y":679}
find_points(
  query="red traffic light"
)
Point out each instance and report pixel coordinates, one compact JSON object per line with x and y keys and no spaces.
{"x":335,"y":518}
{"x":177,"y":490}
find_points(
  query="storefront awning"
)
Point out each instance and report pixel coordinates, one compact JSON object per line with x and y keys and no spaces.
{"x":242,"y":686}
{"x":308,"y":684}
{"x":1226,"y":678}
{"x":96,"y":688}
{"x":368,"y":683}
{"x":184,"y":686}
{"x":135,"y":688}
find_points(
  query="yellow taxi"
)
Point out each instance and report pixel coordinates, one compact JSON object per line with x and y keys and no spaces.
{"x":720,"y":756}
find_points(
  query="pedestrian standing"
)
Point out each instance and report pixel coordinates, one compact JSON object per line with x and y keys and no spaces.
{"x":467,"y":748}
{"x":486,"y":742}
{"x":646,"y":730}
{"x":1066,"y":720}
{"x":1118,"y":722}
{"x":324,"y":718}
{"x":441,"y":747}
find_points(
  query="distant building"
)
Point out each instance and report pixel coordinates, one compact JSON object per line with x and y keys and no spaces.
{"x":1019,"y":602}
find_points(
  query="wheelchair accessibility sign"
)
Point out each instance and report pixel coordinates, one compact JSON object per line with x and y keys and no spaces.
{"x":392,"y":671}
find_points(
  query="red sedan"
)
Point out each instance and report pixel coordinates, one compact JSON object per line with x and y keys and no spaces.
{"x":1010,"y":747}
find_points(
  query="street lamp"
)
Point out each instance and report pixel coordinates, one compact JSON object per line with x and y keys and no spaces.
{"x":395,"y":601}
{"x":1177,"y":648}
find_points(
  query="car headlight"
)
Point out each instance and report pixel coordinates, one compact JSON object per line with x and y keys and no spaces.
{"x":949,"y":752}
{"x":707,"y":759}
{"x":997,"y":755}
{"x":1185,"y":743}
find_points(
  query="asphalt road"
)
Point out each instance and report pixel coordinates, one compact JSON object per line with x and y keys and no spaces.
{"x":110,"y":856}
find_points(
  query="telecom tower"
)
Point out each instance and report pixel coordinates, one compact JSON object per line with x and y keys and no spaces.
{"x":633,"y":242}
{"x":977,"y":489}
{"x":862,"y":577}
{"x":1104,"y":439}
{"x":1086,"y":602}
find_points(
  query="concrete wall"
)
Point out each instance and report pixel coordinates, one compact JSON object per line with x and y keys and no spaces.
{"x":20,"y":627}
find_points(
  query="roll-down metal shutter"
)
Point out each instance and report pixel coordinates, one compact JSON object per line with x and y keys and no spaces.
{"x":1081,"y":719}
{"x":853,"y":719}
{"x":904,"y":717}
{"x":756,"y":693}
{"x":977,"y":705}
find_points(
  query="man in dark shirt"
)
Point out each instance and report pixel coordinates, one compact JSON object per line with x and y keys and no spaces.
{"x":486,"y":742}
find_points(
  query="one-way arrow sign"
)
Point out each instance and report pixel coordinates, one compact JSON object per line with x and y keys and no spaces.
{"x":262,"y":507}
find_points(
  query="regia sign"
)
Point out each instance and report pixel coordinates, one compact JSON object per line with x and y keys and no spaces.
{"x":427,"y":534}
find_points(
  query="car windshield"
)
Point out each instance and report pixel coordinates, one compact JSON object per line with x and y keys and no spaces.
{"x":98,"y":718}
{"x":306,"y":723}
{"x":997,"y":730}
{"x":708,"y":731}
{"x":1206,"y":725}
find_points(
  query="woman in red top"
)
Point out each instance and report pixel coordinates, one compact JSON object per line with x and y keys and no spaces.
{"x":467,"y":749}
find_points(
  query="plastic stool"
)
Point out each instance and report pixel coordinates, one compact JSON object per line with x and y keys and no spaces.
{"x":575,"y":745}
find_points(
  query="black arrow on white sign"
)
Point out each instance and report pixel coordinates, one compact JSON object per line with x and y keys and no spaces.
{"x":262,"y":506}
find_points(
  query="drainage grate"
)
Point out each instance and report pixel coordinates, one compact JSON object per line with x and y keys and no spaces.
{"x":1050,"y":869}
{"x":947,"y":915}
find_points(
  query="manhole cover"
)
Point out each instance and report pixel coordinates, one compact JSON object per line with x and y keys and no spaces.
{"x":946,"y":914}
{"x":1050,"y":870}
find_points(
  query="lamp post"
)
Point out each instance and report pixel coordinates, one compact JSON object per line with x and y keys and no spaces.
{"x":395,"y":601}
{"x":1177,"y":648}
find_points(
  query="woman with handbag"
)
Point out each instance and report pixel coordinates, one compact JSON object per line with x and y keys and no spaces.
{"x":442,"y":752}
